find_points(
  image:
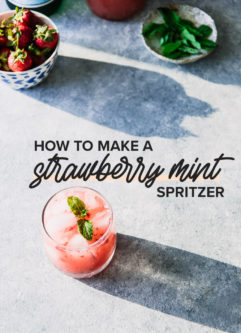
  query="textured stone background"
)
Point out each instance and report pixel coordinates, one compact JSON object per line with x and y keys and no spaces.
{"x":178,"y":263}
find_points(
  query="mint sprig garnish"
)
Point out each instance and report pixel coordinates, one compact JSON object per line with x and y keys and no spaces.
{"x":85,"y":226}
{"x":76,"y":205}
{"x":86,"y":229}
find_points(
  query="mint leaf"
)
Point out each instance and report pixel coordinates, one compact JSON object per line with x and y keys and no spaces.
{"x":166,"y":37}
{"x":177,"y":55}
{"x":179,"y":38}
{"x":208,"y":44}
{"x":76,"y":205}
{"x":161,"y":30}
{"x":185,"y":34}
{"x":162,"y":41}
{"x":86,"y":229}
{"x":152,"y":28}
{"x":189,"y":50}
{"x":186,"y":23}
{"x":170,"y":47}
{"x":205,"y":30}
{"x":194,"y":31}
{"x":170,"y":17}
{"x":148,"y":29}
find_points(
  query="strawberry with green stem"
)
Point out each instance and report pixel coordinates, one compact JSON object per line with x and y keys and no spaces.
{"x":4,"y":54}
{"x":19,"y":60}
{"x":24,"y":16}
{"x":45,"y":37}
{"x":22,"y":36}
{"x":3,"y":38}
{"x":38,"y":55}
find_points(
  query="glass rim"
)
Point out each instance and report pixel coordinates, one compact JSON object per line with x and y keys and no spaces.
{"x":99,"y":241}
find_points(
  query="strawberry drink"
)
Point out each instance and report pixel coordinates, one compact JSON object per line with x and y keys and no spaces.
{"x":116,"y":9}
{"x":79,"y":234}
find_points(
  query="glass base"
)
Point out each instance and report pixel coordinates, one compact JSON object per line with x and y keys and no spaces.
{"x":90,"y":274}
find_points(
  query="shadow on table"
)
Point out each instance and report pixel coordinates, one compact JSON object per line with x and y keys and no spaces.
{"x":175,"y":282}
{"x":125,"y":99}
{"x":123,"y":38}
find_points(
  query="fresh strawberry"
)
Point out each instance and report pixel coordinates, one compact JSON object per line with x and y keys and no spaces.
{"x":4,"y":54}
{"x":45,"y":37}
{"x":3,"y":38}
{"x":24,"y":16}
{"x":19,"y":60}
{"x":3,"y":41}
{"x":23,"y":35}
{"x":38,"y":56}
{"x":38,"y":60}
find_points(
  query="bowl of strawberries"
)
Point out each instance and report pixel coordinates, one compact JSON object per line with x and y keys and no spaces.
{"x":28,"y":47}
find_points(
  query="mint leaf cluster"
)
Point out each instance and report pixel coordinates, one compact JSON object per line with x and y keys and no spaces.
{"x":85,"y":226}
{"x":179,"y":38}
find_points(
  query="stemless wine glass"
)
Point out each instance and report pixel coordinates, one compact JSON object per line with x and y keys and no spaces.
{"x":115,"y":9}
{"x":66,"y":248}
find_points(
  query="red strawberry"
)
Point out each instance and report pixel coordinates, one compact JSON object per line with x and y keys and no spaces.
{"x":23,"y":35}
{"x":4,"y":54}
{"x":38,"y":60}
{"x":38,"y":56}
{"x":3,"y":38}
{"x":3,"y":41}
{"x":45,"y":37}
{"x":19,"y":60}
{"x":24,"y":16}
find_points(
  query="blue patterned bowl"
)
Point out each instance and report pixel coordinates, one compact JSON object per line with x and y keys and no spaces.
{"x":31,"y":77}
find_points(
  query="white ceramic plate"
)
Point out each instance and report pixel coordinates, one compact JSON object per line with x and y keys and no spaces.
{"x":196,"y":15}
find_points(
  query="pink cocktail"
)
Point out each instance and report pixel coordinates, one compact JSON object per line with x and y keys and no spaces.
{"x":66,"y":247}
{"x":116,"y":9}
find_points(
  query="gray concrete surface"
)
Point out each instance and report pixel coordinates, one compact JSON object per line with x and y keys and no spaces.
{"x":178,"y":262}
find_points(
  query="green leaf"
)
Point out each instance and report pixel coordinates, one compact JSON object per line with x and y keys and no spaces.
{"x":187,"y":49}
{"x":86,"y":229}
{"x":170,"y":17}
{"x":208,"y":44}
{"x":171,"y":37}
{"x":185,"y":34}
{"x":76,"y":205}
{"x":177,"y":55}
{"x":166,"y":37}
{"x":161,"y":30}
{"x":170,"y":47}
{"x":162,"y":41}
{"x":194,"y":31}
{"x":186,"y":23}
{"x":185,"y":42}
{"x":152,"y":28}
{"x":205,"y":30}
